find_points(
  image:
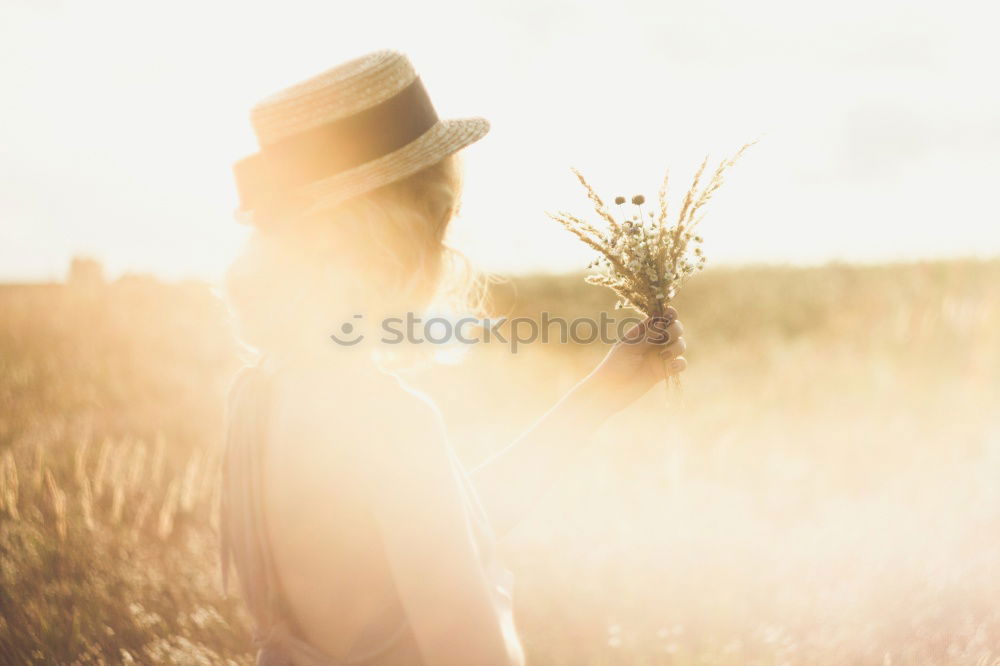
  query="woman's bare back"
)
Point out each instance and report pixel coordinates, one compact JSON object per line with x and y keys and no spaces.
{"x":358,"y":536}
{"x":325,"y":541}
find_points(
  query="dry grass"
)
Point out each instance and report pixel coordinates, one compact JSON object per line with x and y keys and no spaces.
{"x":829,"y":495}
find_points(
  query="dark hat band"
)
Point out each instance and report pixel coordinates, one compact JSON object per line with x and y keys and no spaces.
{"x":330,"y":149}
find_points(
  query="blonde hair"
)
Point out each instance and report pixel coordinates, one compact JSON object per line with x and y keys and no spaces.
{"x":300,"y":276}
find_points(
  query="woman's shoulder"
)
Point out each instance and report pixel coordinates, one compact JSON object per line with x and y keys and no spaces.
{"x":363,"y":409}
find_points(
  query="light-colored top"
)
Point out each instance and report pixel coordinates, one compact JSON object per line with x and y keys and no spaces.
{"x":245,"y":544}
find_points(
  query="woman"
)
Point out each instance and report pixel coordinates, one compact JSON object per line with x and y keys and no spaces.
{"x":356,"y":535}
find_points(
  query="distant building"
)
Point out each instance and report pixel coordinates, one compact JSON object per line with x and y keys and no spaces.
{"x":85,"y":273}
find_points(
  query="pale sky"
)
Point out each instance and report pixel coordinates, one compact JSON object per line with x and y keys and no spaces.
{"x":879,"y":121}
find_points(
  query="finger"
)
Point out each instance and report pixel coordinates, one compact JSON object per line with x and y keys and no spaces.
{"x":659,"y":329}
{"x":650,"y":329}
{"x":675,"y":330}
{"x":677,"y":365}
{"x":656,"y":328}
{"x":664,"y":336}
{"x":675,"y":348}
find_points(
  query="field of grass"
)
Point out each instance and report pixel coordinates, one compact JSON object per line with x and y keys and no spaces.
{"x":826,"y":489}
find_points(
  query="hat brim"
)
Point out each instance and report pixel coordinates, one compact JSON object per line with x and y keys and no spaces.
{"x":442,"y":139}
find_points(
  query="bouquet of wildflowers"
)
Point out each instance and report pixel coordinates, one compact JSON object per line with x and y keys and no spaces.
{"x":645,"y":260}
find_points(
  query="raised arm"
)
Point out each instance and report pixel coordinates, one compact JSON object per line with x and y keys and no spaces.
{"x":512,"y":481}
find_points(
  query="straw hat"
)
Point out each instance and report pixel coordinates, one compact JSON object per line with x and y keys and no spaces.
{"x":357,"y":126}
